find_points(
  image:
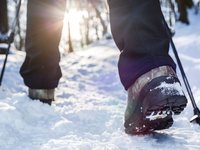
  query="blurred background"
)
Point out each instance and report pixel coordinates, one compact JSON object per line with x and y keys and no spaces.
{"x":87,"y":21}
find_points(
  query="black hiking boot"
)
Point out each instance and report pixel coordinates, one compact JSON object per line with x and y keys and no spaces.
{"x":152,"y":101}
{"x":43,"y":95}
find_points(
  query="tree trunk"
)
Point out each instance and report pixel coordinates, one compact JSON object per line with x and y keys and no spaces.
{"x":70,"y":45}
{"x":70,"y":39}
{"x":3,"y":16}
{"x":182,"y":8}
{"x":98,"y":14}
{"x":87,"y":33}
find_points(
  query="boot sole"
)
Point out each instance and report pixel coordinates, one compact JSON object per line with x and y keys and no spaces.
{"x":159,"y":116}
{"x":158,"y":105}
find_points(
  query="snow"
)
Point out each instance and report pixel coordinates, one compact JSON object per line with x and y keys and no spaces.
{"x":158,"y":115}
{"x":3,"y":36}
{"x":88,"y":113}
{"x":167,"y":87}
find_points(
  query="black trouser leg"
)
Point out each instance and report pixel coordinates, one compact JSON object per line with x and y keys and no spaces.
{"x":41,"y":69}
{"x":138,"y":31}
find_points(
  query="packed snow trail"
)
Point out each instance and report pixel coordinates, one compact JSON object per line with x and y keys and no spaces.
{"x":88,"y":114}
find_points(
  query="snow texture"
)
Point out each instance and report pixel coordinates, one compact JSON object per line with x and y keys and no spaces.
{"x":3,"y":36}
{"x":158,"y":115}
{"x":170,"y":87}
{"x":88,"y":113}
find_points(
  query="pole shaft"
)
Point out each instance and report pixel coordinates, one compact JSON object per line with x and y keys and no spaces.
{"x":10,"y":40}
{"x":187,"y":85}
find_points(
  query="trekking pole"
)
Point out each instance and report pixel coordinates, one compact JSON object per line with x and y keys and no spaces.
{"x":10,"y":39}
{"x":196,"y":117}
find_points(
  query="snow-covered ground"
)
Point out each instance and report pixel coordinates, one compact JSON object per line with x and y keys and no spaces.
{"x":88,"y":113}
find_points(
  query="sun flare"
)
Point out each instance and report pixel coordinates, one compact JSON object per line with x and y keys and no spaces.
{"x":74,"y":17}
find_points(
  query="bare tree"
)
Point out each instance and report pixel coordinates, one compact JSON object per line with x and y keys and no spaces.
{"x":3,"y":16}
{"x":182,"y":8}
{"x":69,"y":38}
{"x":70,"y":45}
{"x":93,"y":22}
{"x":98,"y":15}
{"x":3,"y":22}
{"x":19,"y":40}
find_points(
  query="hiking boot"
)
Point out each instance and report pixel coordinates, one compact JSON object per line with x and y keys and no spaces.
{"x":44,"y":95}
{"x":152,"y":101}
